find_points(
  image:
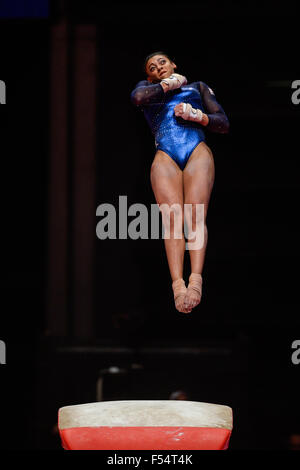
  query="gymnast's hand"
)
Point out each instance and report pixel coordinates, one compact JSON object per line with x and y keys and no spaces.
{"x":174,"y":81}
{"x":187,"y":112}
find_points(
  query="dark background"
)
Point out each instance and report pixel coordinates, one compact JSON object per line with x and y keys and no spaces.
{"x":235,"y":348}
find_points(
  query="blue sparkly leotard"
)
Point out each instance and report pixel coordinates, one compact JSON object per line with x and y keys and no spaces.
{"x":173,"y":135}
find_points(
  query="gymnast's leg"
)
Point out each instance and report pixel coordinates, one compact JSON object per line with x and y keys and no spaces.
{"x":167,"y":185}
{"x":198,"y":180}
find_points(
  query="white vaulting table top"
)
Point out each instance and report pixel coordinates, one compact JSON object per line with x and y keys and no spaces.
{"x":146,"y":413}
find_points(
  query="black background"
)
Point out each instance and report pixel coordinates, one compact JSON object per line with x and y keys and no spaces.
{"x":249,"y":315}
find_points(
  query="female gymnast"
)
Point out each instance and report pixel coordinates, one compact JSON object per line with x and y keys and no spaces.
{"x":182,"y":171}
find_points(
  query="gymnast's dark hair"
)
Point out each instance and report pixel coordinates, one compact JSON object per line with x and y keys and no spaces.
{"x":153,"y":54}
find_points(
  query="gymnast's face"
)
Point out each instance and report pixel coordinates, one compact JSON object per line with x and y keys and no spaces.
{"x":158,"y":68}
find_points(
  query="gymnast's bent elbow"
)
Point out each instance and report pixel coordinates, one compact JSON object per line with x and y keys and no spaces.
{"x":224,"y":127}
{"x":218,"y":124}
{"x":137,"y":97}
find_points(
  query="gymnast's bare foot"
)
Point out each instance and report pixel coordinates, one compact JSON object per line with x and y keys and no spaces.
{"x":180,"y":290}
{"x":194,"y":292}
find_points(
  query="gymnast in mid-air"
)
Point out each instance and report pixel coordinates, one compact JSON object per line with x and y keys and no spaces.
{"x":182,"y":172}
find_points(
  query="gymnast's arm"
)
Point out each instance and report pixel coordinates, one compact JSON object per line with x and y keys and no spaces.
{"x":147,"y":93}
{"x":217,"y":119}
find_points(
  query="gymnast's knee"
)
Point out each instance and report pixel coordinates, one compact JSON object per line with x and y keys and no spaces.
{"x":195,"y":215}
{"x":173,"y":220}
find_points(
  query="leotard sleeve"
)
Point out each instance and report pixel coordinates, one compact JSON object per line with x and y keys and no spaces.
{"x":218,"y":121}
{"x":146,"y":93}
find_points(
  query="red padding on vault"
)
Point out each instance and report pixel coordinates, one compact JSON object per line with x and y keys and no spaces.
{"x":145,"y":438}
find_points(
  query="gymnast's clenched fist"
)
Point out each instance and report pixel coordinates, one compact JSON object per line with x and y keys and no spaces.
{"x":174,"y":81}
{"x":187,"y":112}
